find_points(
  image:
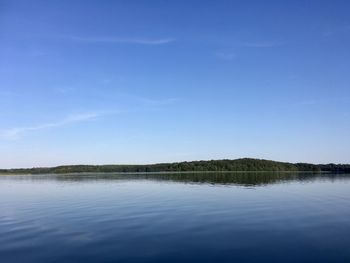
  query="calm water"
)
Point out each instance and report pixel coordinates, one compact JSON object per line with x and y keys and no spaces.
{"x":175,"y":218}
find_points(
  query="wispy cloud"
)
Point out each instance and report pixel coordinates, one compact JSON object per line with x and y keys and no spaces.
{"x":158,"y":102}
{"x":262,"y":44}
{"x":231,"y":55}
{"x":37,"y":53}
{"x":63,"y":90}
{"x":149,"y":101}
{"x":15,"y":133}
{"x":330,"y":31}
{"x":7,"y":93}
{"x":124,"y":40}
{"x":226,"y":55}
{"x":311,"y":102}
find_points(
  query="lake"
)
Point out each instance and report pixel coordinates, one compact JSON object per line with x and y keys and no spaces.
{"x":199,"y":217}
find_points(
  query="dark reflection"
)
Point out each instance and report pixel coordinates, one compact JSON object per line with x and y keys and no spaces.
{"x":215,"y":178}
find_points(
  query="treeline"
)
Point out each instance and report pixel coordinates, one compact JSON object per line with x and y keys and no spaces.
{"x":245,"y":164}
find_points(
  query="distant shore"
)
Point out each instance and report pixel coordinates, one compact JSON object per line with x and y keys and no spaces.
{"x":225,"y":165}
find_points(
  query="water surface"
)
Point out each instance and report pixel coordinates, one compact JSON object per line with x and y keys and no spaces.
{"x":201,"y":217}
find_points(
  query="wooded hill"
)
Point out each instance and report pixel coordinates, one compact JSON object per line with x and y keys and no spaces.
{"x":245,"y":164}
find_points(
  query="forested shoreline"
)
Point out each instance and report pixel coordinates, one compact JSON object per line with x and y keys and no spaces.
{"x":241,"y":165}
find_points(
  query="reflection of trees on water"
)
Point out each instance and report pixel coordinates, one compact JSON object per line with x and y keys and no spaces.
{"x":215,"y":178}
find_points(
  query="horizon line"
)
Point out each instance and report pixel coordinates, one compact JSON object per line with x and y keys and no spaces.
{"x":159,"y":163}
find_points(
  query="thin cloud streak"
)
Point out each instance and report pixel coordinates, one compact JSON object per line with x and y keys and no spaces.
{"x":122,"y":40}
{"x":226,"y":55}
{"x":149,"y":101}
{"x":15,"y":133}
{"x":158,"y":101}
{"x":261,"y":44}
{"x":325,"y":101}
{"x":329,"y":32}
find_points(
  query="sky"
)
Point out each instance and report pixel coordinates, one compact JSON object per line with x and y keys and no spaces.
{"x":125,"y":82}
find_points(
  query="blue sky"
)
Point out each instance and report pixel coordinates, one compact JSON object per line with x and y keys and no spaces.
{"x":99,"y":82}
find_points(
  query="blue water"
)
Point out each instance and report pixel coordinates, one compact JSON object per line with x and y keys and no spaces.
{"x":259,"y":217}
